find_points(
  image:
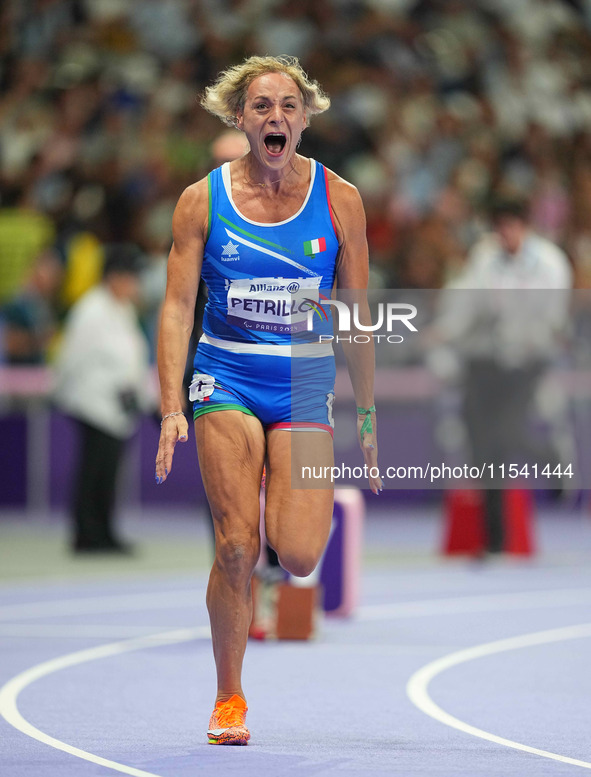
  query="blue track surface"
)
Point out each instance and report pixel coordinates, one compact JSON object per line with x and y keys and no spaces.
{"x":338,"y":705}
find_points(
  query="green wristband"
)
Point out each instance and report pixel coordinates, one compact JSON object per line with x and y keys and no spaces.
{"x":367,"y":425}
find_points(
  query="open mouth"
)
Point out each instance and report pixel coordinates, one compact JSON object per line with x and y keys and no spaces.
{"x":275,"y":142}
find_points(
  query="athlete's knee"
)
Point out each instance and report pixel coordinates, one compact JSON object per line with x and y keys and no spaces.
{"x":298,"y":556}
{"x":237,"y":555}
{"x":299,"y":563}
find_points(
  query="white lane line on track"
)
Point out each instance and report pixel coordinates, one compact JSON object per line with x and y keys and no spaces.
{"x":182,"y":599}
{"x":82,"y":631}
{"x":418,"y":685}
{"x":479,"y":603}
{"x":167,"y":600}
{"x":148,"y":600}
{"x":9,"y":693}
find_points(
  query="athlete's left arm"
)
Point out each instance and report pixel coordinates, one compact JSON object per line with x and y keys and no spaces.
{"x":351,"y":280}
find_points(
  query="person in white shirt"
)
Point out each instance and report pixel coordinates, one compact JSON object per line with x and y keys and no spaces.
{"x":507,"y":316}
{"x":102,"y":382}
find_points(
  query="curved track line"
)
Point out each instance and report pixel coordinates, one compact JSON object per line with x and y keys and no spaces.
{"x":147,"y":600}
{"x":9,"y":693}
{"x":417,"y":686}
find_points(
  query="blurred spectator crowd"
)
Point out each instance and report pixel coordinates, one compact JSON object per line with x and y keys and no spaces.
{"x":437,"y":106}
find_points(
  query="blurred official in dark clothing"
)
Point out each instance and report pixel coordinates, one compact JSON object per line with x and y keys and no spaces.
{"x":506,"y":317}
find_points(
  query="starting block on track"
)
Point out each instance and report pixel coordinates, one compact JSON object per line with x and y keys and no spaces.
{"x":289,"y":608}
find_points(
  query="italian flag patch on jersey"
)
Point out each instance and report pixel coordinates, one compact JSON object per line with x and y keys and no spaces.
{"x":313,"y":247}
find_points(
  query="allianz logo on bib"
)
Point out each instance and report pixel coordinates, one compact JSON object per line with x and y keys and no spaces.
{"x":291,"y":287}
{"x":230,"y":252}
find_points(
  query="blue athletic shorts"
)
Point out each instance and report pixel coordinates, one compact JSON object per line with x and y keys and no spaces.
{"x":281,"y":391}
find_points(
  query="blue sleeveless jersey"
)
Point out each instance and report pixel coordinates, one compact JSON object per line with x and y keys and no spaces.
{"x":263,"y":279}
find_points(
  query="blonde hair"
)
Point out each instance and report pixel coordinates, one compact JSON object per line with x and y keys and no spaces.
{"x":227,"y":95}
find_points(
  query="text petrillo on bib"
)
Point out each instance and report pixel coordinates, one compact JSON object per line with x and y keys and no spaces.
{"x":272,"y":304}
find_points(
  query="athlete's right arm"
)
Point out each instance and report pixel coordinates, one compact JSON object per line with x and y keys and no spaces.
{"x":189,"y":230}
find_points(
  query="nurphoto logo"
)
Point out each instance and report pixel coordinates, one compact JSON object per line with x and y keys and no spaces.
{"x":389,"y":314}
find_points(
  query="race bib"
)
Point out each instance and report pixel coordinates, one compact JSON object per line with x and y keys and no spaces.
{"x":277,"y":305}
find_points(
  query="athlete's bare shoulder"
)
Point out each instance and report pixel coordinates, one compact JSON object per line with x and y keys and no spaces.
{"x":339,"y":184}
{"x":346,"y":203}
{"x":194,"y":196}
{"x":191,"y":212}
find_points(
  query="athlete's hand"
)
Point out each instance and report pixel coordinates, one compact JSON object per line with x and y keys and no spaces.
{"x":368,"y":441}
{"x":174,"y":429}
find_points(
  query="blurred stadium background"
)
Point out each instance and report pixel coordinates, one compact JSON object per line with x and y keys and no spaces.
{"x":437,"y":106}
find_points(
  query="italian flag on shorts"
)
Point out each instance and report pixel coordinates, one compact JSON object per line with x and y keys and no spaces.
{"x":313,"y":247}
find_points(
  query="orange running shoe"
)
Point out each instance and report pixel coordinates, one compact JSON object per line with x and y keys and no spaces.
{"x":226,"y":725}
